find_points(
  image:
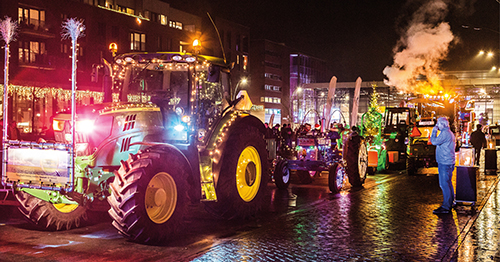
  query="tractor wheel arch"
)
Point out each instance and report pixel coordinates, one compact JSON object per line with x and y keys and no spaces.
{"x":240,"y":123}
{"x":242,"y":180}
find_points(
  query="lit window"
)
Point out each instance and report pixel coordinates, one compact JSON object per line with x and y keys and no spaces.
{"x":137,"y":42}
{"x":130,"y":11}
{"x":176,"y":25}
{"x":163,"y":19}
{"x":31,"y":17}
{"x":262,"y":99}
{"x":245,"y":62}
{"x":32,"y":52}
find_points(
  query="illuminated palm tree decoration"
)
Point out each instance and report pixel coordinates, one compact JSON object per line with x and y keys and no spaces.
{"x":73,"y":29}
{"x":8,"y":30}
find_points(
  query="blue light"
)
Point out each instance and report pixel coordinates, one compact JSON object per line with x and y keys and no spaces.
{"x":179,"y":128}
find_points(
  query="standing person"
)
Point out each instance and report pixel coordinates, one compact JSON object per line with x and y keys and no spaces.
{"x":13,"y":132}
{"x":286,"y":133}
{"x":478,"y":141}
{"x":445,"y":157}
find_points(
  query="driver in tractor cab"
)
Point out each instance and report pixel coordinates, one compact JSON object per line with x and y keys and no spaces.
{"x":317,"y":130}
{"x":305,"y":129}
{"x":333,"y":135}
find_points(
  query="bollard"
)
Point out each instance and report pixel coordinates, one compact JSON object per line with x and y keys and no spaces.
{"x":490,"y":159}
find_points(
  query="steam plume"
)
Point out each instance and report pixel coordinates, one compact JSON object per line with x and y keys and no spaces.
{"x":420,"y":50}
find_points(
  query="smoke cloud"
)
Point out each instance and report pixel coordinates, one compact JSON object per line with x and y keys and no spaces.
{"x":422,"y":46}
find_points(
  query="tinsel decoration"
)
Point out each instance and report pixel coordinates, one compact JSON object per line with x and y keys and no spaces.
{"x":73,"y":28}
{"x":8,"y":30}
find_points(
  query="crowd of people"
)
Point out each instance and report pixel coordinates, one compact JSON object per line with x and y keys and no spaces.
{"x":286,"y":134}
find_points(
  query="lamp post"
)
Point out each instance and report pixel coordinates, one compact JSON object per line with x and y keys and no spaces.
{"x":243,"y":81}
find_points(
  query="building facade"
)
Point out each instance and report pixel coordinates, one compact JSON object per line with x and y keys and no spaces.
{"x":270,"y":79}
{"x":40,"y":61}
{"x":304,"y":70}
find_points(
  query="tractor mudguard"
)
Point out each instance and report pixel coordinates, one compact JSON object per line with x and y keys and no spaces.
{"x":188,"y":163}
{"x":242,"y":119}
{"x":54,"y":197}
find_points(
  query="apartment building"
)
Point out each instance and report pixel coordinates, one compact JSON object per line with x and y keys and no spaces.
{"x":40,"y":62}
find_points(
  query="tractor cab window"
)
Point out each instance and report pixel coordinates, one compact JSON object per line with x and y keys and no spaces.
{"x":211,"y":99}
{"x":170,"y":79}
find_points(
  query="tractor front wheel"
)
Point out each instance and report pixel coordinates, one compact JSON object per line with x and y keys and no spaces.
{"x":336,"y":177}
{"x":282,"y":175}
{"x":48,"y":216}
{"x":242,"y":183}
{"x":149,"y":195}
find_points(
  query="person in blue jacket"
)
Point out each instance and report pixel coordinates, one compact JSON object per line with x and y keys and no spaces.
{"x":445,"y":157}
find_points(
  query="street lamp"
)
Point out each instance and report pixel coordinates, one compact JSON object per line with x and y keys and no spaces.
{"x":243,"y":81}
{"x":196,"y":46}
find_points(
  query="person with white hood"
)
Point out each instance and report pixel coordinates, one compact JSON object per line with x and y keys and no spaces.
{"x":445,"y":157}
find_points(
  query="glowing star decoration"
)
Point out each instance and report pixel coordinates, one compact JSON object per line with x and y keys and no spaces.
{"x":419,"y":51}
{"x":8,"y":30}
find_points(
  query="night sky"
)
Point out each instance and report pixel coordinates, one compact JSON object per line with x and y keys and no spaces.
{"x":357,"y":38}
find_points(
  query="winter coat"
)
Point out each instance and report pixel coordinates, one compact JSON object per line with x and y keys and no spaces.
{"x":477,"y":139}
{"x":445,"y":146}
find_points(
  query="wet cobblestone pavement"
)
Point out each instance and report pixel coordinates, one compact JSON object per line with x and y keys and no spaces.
{"x":390,"y":219}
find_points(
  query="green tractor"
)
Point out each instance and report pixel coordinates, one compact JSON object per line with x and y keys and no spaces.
{"x":173,"y":138}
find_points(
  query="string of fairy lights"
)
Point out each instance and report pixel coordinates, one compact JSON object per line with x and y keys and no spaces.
{"x":30,"y":92}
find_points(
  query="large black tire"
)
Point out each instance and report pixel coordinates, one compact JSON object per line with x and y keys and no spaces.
{"x":411,"y":167}
{"x":242,"y":185}
{"x":47,"y":216}
{"x":336,"y":177}
{"x":282,"y":174}
{"x":371,"y":170}
{"x":149,"y":195}
{"x":356,"y":158}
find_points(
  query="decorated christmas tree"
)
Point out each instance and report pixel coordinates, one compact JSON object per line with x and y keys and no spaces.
{"x":372,"y":119}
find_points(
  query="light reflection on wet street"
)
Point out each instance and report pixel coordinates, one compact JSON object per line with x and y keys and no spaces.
{"x":389,"y":219}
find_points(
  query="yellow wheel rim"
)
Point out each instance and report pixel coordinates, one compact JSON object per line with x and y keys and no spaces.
{"x":248,"y":173}
{"x":65,"y":208}
{"x":161,"y":197}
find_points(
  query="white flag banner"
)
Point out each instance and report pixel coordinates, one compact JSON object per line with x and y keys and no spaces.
{"x":329,"y":100}
{"x":355,"y":104}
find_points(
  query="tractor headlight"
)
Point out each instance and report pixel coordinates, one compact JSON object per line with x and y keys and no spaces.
{"x":179,"y":128}
{"x":85,"y":126}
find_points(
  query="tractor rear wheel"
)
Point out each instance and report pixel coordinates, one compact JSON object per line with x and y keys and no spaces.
{"x":48,"y":216}
{"x":149,"y":195}
{"x":336,"y":177}
{"x":242,"y":184}
{"x":356,"y":159}
{"x":282,"y":174}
